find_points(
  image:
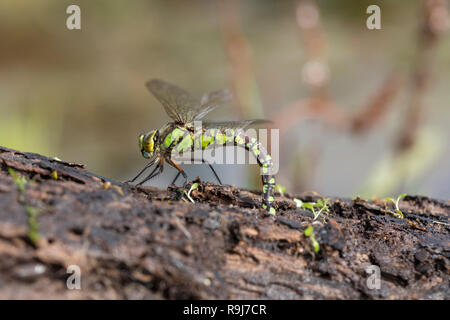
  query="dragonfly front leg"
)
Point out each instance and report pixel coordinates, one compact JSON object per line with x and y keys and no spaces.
{"x":142,"y":171}
{"x":158,"y":170}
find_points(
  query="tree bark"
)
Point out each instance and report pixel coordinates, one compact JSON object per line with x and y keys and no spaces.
{"x":144,"y":243}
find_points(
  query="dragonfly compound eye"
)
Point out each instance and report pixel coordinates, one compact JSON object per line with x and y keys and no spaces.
{"x":141,"y":142}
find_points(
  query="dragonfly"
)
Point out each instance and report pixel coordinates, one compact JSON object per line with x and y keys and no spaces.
{"x":180,"y":136}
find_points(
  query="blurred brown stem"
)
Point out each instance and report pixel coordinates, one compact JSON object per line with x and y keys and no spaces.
{"x":434,"y":23}
{"x":239,"y":56}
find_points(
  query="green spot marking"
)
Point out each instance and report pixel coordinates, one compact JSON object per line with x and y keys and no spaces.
{"x":239,"y":140}
{"x":220,"y":138}
{"x":185,"y":144}
{"x":206,"y":140}
{"x":173,"y":136}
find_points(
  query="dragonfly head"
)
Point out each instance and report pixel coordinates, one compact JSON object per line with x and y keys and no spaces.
{"x":148,"y":143}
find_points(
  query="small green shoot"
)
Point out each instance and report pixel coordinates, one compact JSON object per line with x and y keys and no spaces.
{"x":298,"y":203}
{"x":309,"y":232}
{"x":188,"y":194}
{"x":280,"y":189}
{"x":20,"y":181}
{"x":319,"y":208}
{"x":398,"y":213}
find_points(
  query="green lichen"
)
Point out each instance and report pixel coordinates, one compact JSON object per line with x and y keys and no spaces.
{"x":20,"y":181}
{"x":309,"y":233}
{"x":33,"y":226}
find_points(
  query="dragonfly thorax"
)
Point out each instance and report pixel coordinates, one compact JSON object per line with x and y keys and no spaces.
{"x":148,"y":143}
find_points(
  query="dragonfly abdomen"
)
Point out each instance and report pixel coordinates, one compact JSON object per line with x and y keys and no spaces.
{"x":182,"y":140}
{"x":265,"y":162}
{"x":236,"y":137}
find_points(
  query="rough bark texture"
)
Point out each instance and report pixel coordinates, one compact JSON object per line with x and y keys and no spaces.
{"x":141,"y":242}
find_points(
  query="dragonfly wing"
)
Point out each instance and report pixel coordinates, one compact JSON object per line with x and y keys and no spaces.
{"x":177,"y":102}
{"x":233,"y":124}
{"x":212,"y":100}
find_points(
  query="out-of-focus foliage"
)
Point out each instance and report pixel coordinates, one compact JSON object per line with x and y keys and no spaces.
{"x":80,"y":95}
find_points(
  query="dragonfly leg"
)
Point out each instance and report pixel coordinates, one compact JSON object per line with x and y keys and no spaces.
{"x":203,"y":161}
{"x":156,"y":171}
{"x":176,"y":177}
{"x":212,"y":169}
{"x":142,"y":171}
{"x":180,"y":171}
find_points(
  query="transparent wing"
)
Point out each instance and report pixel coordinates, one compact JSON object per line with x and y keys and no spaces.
{"x":177,"y":102}
{"x":212,"y":100}
{"x":233,"y":124}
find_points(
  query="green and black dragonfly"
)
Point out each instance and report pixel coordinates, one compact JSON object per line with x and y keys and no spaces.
{"x":180,"y":135}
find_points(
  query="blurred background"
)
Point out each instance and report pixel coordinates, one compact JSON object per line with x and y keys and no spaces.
{"x":360,"y":112}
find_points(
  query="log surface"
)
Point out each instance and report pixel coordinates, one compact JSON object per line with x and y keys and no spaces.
{"x":143,"y":243}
